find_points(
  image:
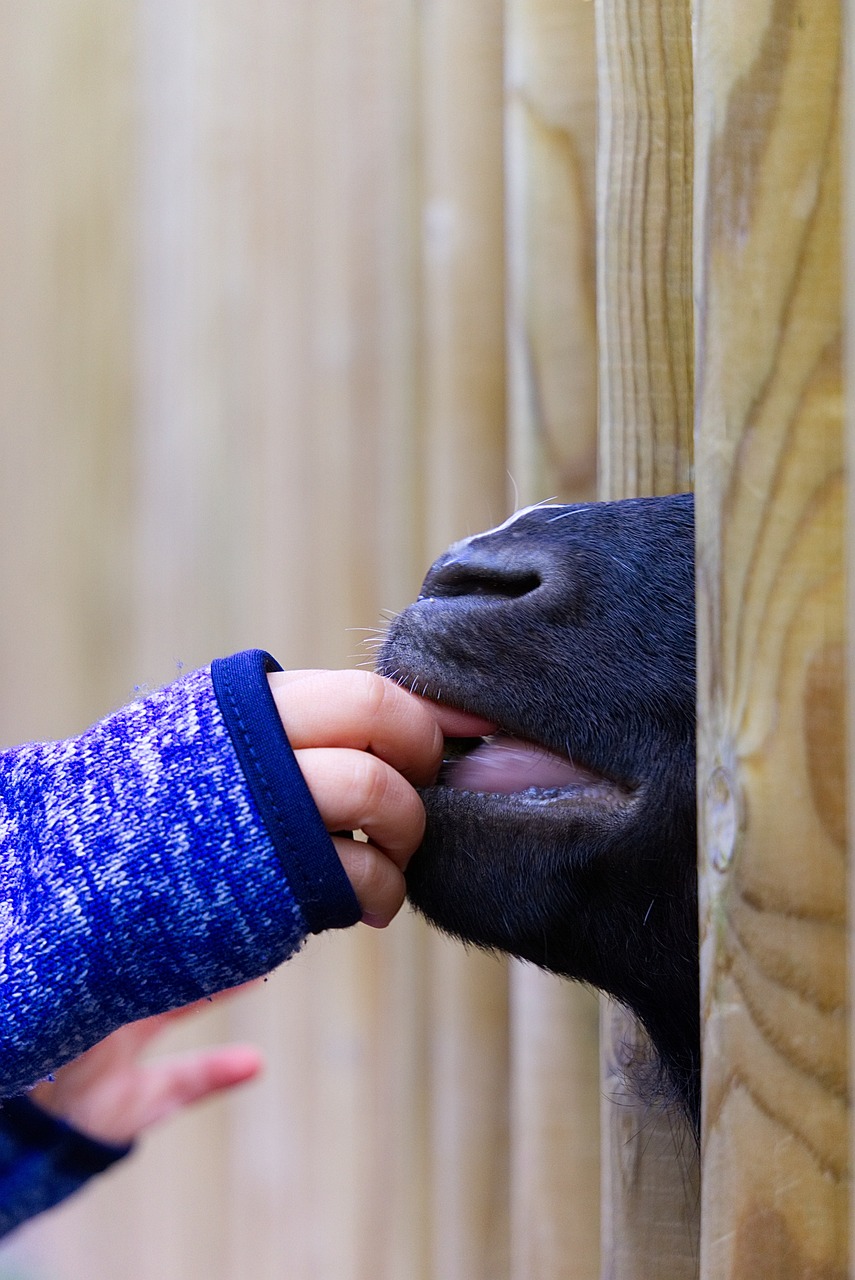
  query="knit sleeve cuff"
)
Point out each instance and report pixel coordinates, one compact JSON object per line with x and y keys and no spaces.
{"x":43,"y":1160}
{"x":302,"y":843}
{"x":75,"y":1153}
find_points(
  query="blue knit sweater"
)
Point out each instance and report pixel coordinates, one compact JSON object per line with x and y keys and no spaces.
{"x":169,"y":852}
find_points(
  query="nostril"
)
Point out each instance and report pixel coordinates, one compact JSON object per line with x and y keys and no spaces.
{"x":461,"y":578}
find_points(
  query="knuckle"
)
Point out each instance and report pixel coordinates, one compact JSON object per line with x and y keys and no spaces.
{"x":359,"y":864}
{"x":375,"y":882}
{"x":378,"y":885}
{"x":376,"y":784}
{"x":378,"y":692}
{"x":369,"y":690}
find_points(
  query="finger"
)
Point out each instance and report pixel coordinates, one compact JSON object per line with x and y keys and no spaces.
{"x":459,"y":724}
{"x":377,"y":882}
{"x":364,"y":712}
{"x":453,"y":722}
{"x":172,"y":1083}
{"x":357,"y":791}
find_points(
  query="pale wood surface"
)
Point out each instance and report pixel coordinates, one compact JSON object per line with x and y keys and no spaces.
{"x":848,"y":144}
{"x":644,"y":228}
{"x":772,"y":744}
{"x":65,"y":360}
{"x":550,"y":199}
{"x":462,"y":223}
{"x":551,"y":179}
{"x":644,"y":312}
{"x":462,"y":411}
{"x":555,"y":1128}
{"x":219,"y":288}
{"x":651,"y":1173}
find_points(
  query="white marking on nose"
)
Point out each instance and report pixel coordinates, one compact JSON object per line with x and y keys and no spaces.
{"x":535,"y":506}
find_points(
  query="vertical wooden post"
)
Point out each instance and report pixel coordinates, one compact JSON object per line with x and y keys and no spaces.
{"x":551,"y":179}
{"x":462,"y":224}
{"x":555,"y":1129}
{"x":66,"y":367}
{"x":848,"y":197}
{"x":644,"y":307}
{"x":463,"y":424}
{"x":212,"y":284}
{"x":772,"y":649}
{"x":644,"y":263}
{"x":550,"y":185}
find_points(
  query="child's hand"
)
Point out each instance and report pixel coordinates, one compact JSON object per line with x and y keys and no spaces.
{"x":108,"y":1094}
{"x":363,"y":744}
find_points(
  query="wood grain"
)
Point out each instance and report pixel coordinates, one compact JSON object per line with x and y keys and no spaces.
{"x":463,"y":424}
{"x":462,"y":222}
{"x":550,"y":199}
{"x":651,"y":1191}
{"x":66,"y":365}
{"x":644,"y":314}
{"x":771,"y":647}
{"x":555,"y":1128}
{"x":644,"y":246}
{"x":220,"y":407}
{"x":551,"y":178}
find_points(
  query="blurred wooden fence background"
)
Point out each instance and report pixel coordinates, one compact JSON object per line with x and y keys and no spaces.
{"x":292,"y":296}
{"x":253,"y":380}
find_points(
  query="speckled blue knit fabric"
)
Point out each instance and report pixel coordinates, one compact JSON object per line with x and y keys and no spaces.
{"x":43,"y":1161}
{"x":136,"y":875}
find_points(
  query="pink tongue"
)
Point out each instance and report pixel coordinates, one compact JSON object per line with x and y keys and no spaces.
{"x":505,"y":765}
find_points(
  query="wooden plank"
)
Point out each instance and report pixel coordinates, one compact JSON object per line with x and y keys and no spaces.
{"x":255,"y":351}
{"x":339,"y":1183}
{"x":550,"y":196}
{"x":258,"y":344}
{"x":463,"y":227}
{"x":772,"y":702}
{"x":463,"y":424}
{"x":644,"y":310}
{"x":644,"y":262}
{"x":650,"y":1199}
{"x":468,"y":1048}
{"x":555,"y":1129}
{"x":848,"y":160}
{"x":66,"y":243}
{"x":551,"y":179}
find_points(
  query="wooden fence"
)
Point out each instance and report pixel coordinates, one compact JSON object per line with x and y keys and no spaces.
{"x":293,"y":295}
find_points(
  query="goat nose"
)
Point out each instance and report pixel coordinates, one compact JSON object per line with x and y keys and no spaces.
{"x":479,"y":571}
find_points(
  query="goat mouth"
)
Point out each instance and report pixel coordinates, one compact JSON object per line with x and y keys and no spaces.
{"x":515,"y":770}
{"x":507,"y":771}
{"x":504,"y":765}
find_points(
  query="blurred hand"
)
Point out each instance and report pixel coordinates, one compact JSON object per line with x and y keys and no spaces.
{"x":364,"y":744}
{"x":109,"y":1094}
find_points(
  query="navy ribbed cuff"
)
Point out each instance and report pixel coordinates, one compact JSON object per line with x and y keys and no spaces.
{"x":74,"y":1154}
{"x":304,"y":846}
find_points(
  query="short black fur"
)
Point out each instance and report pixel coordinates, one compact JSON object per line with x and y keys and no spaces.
{"x":573,"y":628}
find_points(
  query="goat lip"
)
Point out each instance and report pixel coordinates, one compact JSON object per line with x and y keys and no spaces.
{"x":591,"y":804}
{"x":554,"y":777}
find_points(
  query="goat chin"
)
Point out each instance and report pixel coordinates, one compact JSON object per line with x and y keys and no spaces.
{"x":568,"y":837}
